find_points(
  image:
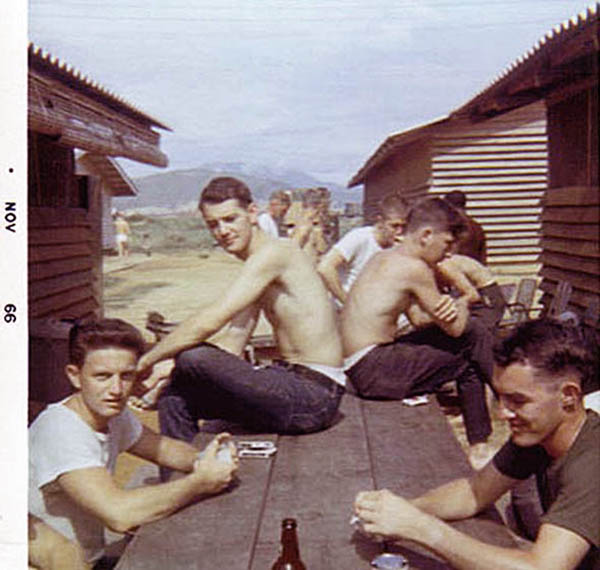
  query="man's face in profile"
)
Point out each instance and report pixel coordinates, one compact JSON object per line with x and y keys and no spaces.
{"x":438,"y":245}
{"x":391,"y":228}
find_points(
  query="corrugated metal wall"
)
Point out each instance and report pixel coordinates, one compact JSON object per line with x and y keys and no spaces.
{"x":502,"y":166}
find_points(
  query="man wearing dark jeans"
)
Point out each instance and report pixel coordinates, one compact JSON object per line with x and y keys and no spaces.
{"x":301,"y":395}
{"x":446,"y":345}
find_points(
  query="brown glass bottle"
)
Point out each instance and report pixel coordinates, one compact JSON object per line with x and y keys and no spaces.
{"x":289,"y":559}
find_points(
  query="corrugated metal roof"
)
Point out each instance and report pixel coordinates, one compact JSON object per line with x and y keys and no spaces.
{"x":392,"y":143}
{"x":556,"y":36}
{"x":43,"y":62}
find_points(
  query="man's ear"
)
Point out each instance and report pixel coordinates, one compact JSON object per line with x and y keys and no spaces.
{"x":425,"y":235}
{"x":570,"y":394}
{"x":72,"y":372}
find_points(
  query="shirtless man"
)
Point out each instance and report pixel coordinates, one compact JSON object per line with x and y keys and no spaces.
{"x":443,"y":348}
{"x":122,"y":232}
{"x":300,"y":393}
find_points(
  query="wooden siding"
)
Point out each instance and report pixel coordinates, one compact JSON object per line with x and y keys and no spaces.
{"x":62,"y":263}
{"x":407,"y":171}
{"x":570,"y":243}
{"x":502,"y":166}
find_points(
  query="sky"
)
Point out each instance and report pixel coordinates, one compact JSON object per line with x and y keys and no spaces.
{"x":310,"y":85}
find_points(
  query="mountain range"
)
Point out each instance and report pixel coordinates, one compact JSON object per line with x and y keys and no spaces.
{"x":178,"y":190}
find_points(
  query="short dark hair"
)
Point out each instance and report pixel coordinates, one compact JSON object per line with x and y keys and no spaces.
{"x":550,"y":346}
{"x":103,"y":333}
{"x":392,"y":203}
{"x":457,"y":198}
{"x":437,"y":213}
{"x":225,"y":188}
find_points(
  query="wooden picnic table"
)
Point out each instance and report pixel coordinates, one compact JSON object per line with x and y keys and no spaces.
{"x":314,"y":478}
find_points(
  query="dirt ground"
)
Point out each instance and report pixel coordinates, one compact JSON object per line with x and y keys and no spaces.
{"x":175,"y":286}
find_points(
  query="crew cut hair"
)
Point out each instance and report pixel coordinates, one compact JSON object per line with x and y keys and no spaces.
{"x":436,"y":213}
{"x":552,"y":347}
{"x":225,"y":188}
{"x":392,"y":203}
{"x":103,"y":333}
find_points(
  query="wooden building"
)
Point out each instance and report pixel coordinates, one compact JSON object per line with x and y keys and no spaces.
{"x":500,"y":164}
{"x":113,"y":182}
{"x":525,"y":151}
{"x":67,"y":111}
{"x":562,"y":71}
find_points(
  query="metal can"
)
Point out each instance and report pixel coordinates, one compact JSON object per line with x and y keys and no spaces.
{"x":389,"y":561}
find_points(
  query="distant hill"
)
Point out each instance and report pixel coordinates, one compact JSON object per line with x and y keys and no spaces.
{"x":180,"y":189}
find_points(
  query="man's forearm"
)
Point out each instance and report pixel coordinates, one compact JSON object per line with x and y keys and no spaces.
{"x":465,"y":552}
{"x":453,"y":501}
{"x":142,"y":505}
{"x":186,"y":335}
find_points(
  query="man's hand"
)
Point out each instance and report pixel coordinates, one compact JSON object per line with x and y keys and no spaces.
{"x":214,"y":474}
{"x":384,"y":513}
{"x":446,"y":310}
{"x":149,"y":376}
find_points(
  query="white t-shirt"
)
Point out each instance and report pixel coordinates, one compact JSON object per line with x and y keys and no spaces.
{"x":356,"y":247}
{"x":267,"y":224}
{"x":59,"y":442}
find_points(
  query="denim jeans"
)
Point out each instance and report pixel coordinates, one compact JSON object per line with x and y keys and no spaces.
{"x":422,"y":361}
{"x":210,"y":383}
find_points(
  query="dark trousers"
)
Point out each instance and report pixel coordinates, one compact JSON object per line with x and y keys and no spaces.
{"x":210,"y":383}
{"x":490,"y":308}
{"x":421,"y":361}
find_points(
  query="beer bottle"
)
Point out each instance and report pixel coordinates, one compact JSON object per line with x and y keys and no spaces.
{"x":289,"y":559}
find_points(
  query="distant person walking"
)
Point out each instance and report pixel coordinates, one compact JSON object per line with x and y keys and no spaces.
{"x":122,"y":231}
{"x":472,"y":241}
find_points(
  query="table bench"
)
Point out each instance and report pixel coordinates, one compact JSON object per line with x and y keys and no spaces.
{"x":314,"y":478}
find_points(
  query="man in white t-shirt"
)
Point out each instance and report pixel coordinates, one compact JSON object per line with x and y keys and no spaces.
{"x":279,"y":204}
{"x":341,"y":265}
{"x":74,"y":444}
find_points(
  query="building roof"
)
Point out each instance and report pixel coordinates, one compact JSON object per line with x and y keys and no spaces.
{"x":110,"y":171}
{"x":553,"y":61}
{"x":79,"y":113}
{"x":566,"y":54}
{"x":42,"y":61}
{"x":393,"y":143}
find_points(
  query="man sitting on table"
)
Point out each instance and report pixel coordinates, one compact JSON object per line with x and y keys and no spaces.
{"x":351,"y":253}
{"x":298,"y":394}
{"x":74,"y":444}
{"x":446,"y":345}
{"x":538,"y":377}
